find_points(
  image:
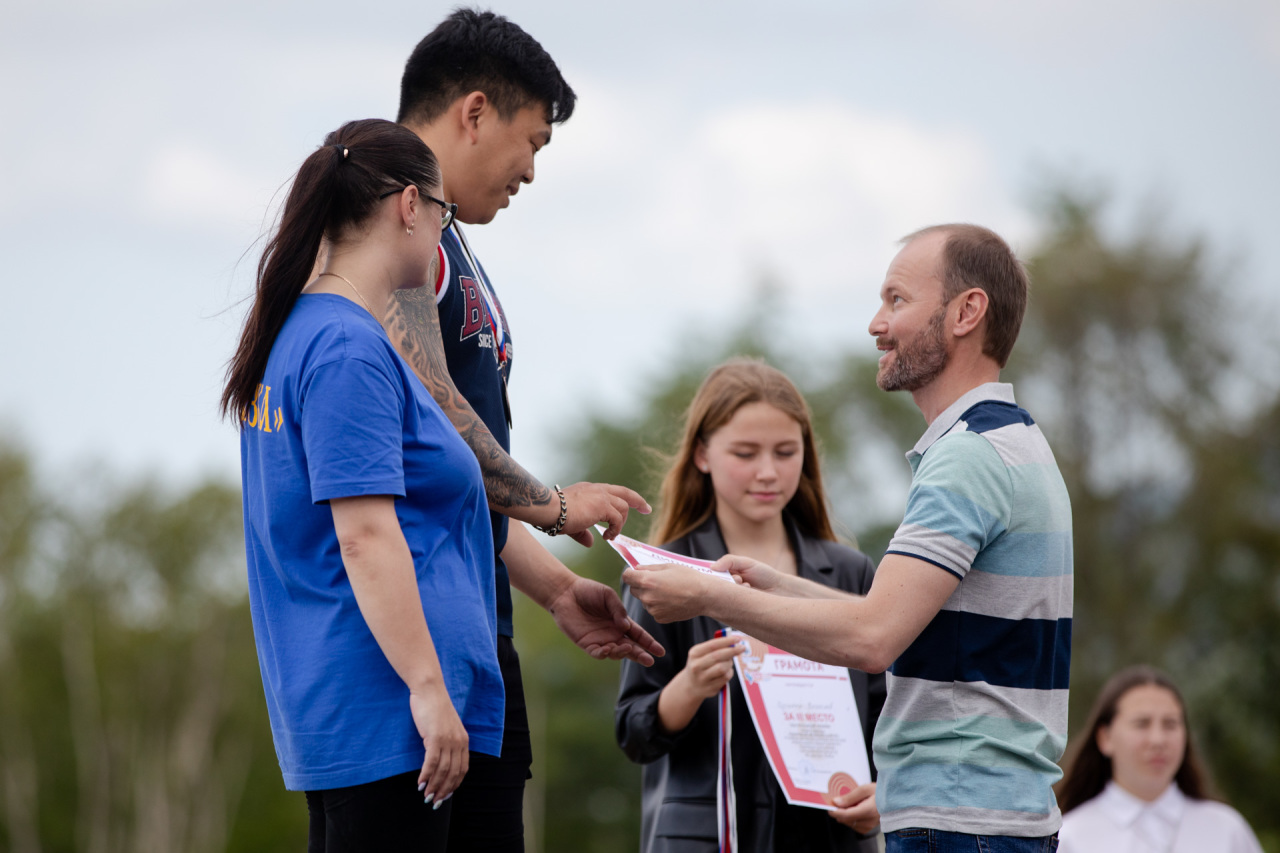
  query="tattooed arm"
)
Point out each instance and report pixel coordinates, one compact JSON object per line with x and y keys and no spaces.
{"x":413,"y":324}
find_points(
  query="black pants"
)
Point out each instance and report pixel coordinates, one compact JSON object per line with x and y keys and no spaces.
{"x":385,"y":815}
{"x":488,"y":808}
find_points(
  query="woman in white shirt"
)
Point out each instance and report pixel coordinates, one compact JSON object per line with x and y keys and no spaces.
{"x":1134,"y":784}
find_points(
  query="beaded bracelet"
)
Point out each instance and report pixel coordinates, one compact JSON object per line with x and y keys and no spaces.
{"x":564,"y":516}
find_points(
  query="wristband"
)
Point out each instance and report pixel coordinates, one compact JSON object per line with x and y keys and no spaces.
{"x":558,"y":528}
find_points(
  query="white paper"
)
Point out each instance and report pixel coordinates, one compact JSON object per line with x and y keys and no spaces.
{"x":807,"y":721}
{"x":637,"y":553}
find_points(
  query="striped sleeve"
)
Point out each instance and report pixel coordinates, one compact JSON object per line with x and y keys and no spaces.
{"x":961,"y":501}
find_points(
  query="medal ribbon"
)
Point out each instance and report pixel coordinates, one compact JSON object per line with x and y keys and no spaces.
{"x":726,"y":803}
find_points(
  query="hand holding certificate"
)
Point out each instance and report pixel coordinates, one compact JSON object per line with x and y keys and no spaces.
{"x":638,"y":554}
{"x":667,"y":583}
{"x":804,"y":712}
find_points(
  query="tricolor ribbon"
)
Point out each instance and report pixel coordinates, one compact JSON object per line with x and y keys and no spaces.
{"x":726,"y":804}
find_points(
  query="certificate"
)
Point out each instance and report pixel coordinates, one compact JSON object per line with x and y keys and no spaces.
{"x":804,"y":712}
{"x":637,"y":554}
{"x":807,"y":720}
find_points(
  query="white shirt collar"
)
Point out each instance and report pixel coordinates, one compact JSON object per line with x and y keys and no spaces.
{"x":1157,"y":821}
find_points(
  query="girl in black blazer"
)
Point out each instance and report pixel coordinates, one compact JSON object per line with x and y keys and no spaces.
{"x":745,"y":480}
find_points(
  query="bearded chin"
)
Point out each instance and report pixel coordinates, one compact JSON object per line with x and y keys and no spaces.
{"x":917,"y":362}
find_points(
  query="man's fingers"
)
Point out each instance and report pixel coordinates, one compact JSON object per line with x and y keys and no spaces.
{"x":621,"y":651}
{"x":733,"y":563}
{"x":632,"y":499}
{"x":583,"y":538}
{"x":641,"y":657}
{"x":645,"y":642}
{"x":637,"y":579}
{"x":621,"y":508}
{"x":616,"y":609}
{"x":615,"y":521}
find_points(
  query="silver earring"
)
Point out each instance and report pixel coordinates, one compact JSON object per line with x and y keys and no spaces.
{"x":409,"y":231}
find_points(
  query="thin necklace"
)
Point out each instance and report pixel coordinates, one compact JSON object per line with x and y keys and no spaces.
{"x":353,"y":287}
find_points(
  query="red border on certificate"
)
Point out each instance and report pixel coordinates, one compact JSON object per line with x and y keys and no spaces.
{"x":637,"y":554}
{"x":751,"y":673}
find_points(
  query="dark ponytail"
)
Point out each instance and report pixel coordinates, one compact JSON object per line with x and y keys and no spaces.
{"x":337,"y":187}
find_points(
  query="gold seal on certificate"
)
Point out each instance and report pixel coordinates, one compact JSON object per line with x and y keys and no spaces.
{"x":807,"y":721}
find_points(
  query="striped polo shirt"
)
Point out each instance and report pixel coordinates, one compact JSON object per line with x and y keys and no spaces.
{"x":976,"y":718}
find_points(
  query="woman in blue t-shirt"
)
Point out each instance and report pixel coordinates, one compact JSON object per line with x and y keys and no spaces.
{"x":366,"y":526}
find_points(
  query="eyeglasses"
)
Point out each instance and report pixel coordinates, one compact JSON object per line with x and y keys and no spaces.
{"x":450,"y":208}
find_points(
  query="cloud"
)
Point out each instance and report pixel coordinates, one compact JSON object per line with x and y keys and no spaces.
{"x":646,"y":230}
{"x":829,"y":184}
{"x":815,"y":194}
{"x":193,"y":188}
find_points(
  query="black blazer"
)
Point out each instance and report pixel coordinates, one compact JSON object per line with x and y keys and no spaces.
{"x":679,"y":775}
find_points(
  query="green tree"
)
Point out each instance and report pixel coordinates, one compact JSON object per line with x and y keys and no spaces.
{"x":1165,"y":430}
{"x":131,"y":712}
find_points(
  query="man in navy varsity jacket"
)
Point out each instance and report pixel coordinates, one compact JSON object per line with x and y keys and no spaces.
{"x":484,"y":95}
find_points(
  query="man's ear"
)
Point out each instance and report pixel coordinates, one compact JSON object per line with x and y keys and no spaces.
{"x":475,"y":107}
{"x":973,"y":305}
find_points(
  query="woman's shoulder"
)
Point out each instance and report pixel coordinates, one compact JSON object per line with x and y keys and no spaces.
{"x":329,"y":328}
{"x":1222,"y":820}
{"x":1085,"y":827}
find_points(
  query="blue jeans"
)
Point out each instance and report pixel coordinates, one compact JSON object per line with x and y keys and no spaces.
{"x":937,"y":841}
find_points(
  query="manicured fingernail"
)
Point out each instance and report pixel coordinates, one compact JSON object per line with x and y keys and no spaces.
{"x":438,"y":804}
{"x":446,"y":796}
{"x":421,"y":786}
{"x":428,"y":798}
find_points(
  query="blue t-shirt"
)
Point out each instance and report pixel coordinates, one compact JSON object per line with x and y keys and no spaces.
{"x":339,"y":414}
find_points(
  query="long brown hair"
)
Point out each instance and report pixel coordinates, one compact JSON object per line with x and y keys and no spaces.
{"x":337,"y":187}
{"x":1088,"y":770}
{"x":687,"y":499}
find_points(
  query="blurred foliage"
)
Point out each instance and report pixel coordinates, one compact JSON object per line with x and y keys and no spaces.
{"x":131,"y":710}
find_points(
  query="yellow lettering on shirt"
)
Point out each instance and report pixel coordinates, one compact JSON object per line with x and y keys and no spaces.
{"x":259,"y":416}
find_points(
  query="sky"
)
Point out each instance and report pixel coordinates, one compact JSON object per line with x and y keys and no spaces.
{"x":715,"y":145}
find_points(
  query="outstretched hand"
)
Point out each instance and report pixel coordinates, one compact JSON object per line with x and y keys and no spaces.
{"x":749,"y":572}
{"x":592,"y":615}
{"x":669,"y":591}
{"x":589,"y":504}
